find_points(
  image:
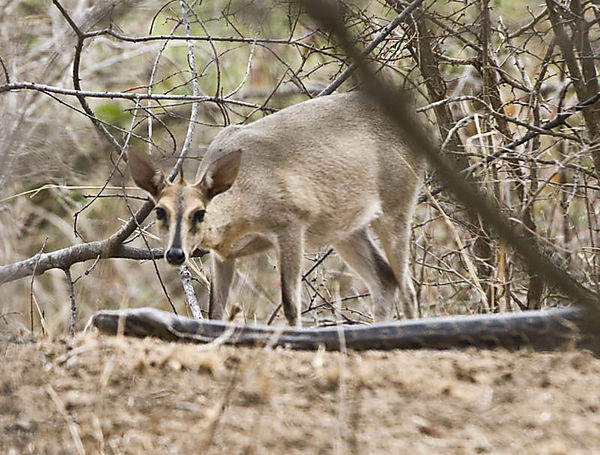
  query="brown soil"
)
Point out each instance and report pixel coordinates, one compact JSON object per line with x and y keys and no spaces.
{"x":116,"y":395}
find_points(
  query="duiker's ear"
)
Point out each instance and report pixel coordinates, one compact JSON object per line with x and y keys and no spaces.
{"x":145,"y":174}
{"x":220,"y":174}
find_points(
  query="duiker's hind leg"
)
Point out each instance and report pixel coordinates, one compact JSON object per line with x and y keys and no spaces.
{"x":222,"y":275}
{"x":394,"y":233}
{"x":359,"y":252}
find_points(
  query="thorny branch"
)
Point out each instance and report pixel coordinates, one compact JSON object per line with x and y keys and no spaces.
{"x":403,"y":16}
{"x":559,"y":120}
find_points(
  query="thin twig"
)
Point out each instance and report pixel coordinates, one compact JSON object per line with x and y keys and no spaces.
{"x":6,"y":77}
{"x":372,"y":45}
{"x":73,"y":304}
{"x":24,"y":85}
{"x":118,"y":195}
{"x":298,"y":42}
{"x":39,"y":255}
{"x":195,"y":90}
{"x":559,"y":120}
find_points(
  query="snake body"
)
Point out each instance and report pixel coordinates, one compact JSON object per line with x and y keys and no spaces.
{"x":538,"y":330}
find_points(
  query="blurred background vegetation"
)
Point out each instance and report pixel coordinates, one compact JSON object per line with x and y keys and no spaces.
{"x":496,"y":65}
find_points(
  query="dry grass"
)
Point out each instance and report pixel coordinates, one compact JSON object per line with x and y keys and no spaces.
{"x":119,"y":395}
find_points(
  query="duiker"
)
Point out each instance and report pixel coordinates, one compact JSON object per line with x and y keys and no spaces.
{"x":316,"y":173}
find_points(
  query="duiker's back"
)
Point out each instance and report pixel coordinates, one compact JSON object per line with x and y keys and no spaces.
{"x":332,"y":163}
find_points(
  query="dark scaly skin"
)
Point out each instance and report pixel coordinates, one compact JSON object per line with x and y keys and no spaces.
{"x":558,"y":329}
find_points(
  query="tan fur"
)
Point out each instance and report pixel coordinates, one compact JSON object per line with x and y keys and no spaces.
{"x":317,"y":173}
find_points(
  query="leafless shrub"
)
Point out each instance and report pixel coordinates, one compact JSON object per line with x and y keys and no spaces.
{"x":146,"y":72}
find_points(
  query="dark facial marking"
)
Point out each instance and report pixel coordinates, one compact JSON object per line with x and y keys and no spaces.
{"x":178,"y":216}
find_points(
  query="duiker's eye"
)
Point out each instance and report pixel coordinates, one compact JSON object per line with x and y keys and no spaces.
{"x":161,"y":214}
{"x":198,"y":216}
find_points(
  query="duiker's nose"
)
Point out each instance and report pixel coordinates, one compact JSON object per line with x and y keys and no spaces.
{"x":175,"y":256}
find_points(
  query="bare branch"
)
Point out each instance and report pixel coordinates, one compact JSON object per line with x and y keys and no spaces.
{"x":121,"y":95}
{"x":63,"y":258}
{"x":6,"y":77}
{"x":31,"y":296}
{"x":559,"y":120}
{"x":538,"y":330}
{"x":372,"y":45}
{"x":73,"y":304}
{"x":298,"y":42}
{"x":188,"y":289}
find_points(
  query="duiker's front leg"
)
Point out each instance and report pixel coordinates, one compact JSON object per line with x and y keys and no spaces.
{"x":222,"y":274}
{"x":291,"y":250}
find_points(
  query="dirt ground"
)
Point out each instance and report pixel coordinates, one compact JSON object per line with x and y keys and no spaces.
{"x":99,"y":394}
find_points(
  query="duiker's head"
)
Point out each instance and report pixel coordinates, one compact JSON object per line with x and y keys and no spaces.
{"x":181,"y":206}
